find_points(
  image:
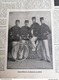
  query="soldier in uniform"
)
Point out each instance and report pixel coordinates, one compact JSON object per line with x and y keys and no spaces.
{"x":35,"y":29}
{"x":14,"y":38}
{"x":25,"y":31}
{"x":25,"y":34}
{"x":45,"y":31}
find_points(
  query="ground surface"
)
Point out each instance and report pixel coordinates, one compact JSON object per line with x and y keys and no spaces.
{"x":32,"y":62}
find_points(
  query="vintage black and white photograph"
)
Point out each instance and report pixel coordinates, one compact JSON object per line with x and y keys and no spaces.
{"x":29,"y":40}
{"x":56,"y":2}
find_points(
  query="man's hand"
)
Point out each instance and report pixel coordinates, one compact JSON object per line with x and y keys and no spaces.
{"x":17,"y":35}
{"x":23,"y":41}
{"x":47,"y":33}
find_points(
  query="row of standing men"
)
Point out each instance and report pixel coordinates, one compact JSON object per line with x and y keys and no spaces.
{"x":35,"y":33}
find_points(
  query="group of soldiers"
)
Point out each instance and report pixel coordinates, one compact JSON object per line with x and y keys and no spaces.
{"x":34,"y":33}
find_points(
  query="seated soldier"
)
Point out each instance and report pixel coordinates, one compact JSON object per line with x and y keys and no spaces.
{"x":14,"y":37}
{"x":35,"y":28}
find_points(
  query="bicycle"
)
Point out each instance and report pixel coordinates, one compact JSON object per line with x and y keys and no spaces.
{"x":24,"y":49}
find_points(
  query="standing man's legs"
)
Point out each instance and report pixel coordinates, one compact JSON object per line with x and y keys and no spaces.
{"x":47,"y":50}
{"x":22,"y":51}
{"x":33,"y":43}
{"x":41,"y":49}
{"x":15,"y":49}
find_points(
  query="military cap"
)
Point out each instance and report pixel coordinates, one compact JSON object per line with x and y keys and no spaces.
{"x":41,"y":18}
{"x":33,"y":17}
{"x":17,"y":21}
{"x":26,"y":21}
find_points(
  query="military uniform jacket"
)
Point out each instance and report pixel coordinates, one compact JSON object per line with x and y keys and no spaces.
{"x":45,"y":30}
{"x":36,"y":29}
{"x":14,"y":33}
{"x":25,"y":33}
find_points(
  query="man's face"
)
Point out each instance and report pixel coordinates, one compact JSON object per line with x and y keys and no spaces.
{"x":18,"y":23}
{"x":26,"y":24}
{"x":33,"y":20}
{"x":43,"y":21}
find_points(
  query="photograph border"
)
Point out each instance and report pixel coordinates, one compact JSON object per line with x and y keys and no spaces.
{"x":25,"y":10}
